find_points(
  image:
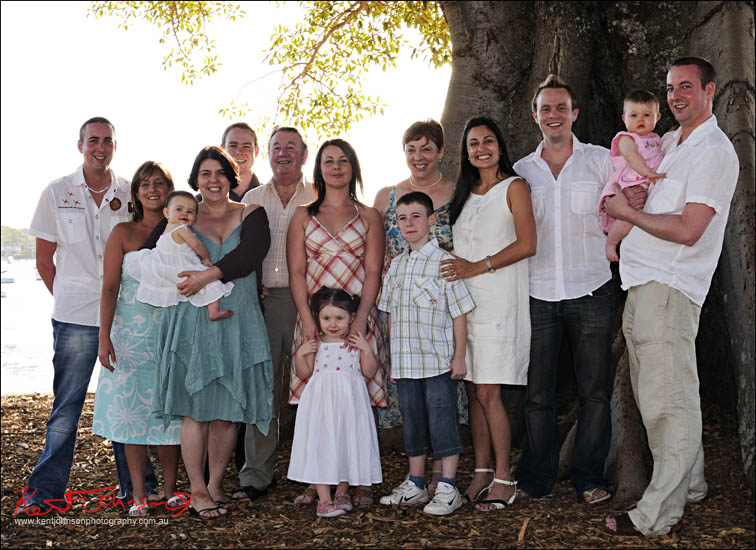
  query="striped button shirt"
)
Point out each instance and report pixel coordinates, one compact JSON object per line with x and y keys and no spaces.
{"x":275,"y":271}
{"x":422,"y":306}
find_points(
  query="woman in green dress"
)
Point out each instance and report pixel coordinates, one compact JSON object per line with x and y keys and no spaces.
{"x":214,"y":374}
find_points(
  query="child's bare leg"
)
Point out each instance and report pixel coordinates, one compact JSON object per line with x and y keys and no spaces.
{"x":342,"y":488}
{"x":216,"y":313}
{"x":449,"y":466}
{"x":617,"y":232}
{"x":324,"y":492}
{"x":417,"y":466}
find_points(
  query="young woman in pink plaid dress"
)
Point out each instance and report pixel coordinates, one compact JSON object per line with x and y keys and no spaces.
{"x":337,"y":242}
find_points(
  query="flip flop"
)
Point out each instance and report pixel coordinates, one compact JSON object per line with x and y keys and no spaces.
{"x":588,"y":497}
{"x":625,"y":527}
{"x":198,"y":513}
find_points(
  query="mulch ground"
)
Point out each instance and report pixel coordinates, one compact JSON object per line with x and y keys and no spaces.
{"x":724,"y":520}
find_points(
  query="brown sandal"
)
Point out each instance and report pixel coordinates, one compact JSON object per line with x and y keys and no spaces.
{"x":308,"y":496}
{"x":363,"y":496}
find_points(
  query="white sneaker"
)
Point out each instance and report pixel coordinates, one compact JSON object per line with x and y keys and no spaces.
{"x":446,"y":500}
{"x":406,"y":494}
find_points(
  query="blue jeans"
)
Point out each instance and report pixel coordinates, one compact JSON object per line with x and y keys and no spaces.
{"x":75,"y":353}
{"x":587,"y":321}
{"x":124,"y":477}
{"x":429,"y":405}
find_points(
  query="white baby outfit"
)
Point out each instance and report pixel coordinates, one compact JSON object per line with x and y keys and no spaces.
{"x":334,"y":436}
{"x":157,"y":270}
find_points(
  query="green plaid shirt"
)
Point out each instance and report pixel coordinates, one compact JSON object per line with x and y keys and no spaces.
{"x":422,"y":307}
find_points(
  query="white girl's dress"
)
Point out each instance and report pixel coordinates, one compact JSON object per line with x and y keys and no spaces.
{"x":157,"y":270}
{"x":335,"y":438}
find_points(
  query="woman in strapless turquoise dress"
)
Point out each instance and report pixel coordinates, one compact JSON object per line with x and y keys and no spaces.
{"x":214,"y":374}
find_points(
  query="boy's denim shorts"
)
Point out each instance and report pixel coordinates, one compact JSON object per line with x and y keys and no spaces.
{"x":429,"y":405}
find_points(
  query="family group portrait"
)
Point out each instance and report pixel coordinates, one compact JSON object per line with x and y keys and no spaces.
{"x":378,"y":274}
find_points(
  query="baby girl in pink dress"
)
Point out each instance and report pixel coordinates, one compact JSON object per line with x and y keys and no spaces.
{"x":636,"y":154}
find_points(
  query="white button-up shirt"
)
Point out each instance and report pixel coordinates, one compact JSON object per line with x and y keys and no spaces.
{"x":570,"y":261}
{"x":423,"y":307}
{"x":702,"y":169}
{"x":68,"y":216}
{"x":275,"y":270}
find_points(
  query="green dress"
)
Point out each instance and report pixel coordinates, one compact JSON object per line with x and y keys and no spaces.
{"x":217,"y":370}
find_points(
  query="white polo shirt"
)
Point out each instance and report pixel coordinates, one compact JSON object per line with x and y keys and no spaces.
{"x":275,"y":270}
{"x":702,"y":169}
{"x":570,"y":260}
{"x":68,"y":216}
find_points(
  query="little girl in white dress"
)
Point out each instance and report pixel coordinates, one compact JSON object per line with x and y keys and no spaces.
{"x":177,"y":250}
{"x":335,"y":440}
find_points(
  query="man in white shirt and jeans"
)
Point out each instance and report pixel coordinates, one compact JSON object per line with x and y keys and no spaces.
{"x":72,"y":223}
{"x":280,"y":197}
{"x":571,"y":294}
{"x":667,"y":263}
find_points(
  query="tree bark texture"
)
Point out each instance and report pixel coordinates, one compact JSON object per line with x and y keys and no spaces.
{"x":503,"y":50}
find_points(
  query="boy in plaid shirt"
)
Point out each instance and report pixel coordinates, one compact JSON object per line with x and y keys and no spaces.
{"x":428,"y":327}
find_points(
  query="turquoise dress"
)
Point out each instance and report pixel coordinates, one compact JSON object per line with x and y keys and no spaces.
{"x":217,"y":370}
{"x":124,"y":398}
{"x":391,"y":416}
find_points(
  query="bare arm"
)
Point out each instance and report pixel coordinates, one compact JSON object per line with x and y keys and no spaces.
{"x":524,"y":246}
{"x":111,"y":283}
{"x":685,"y":228}
{"x":381,"y":202}
{"x":368,"y":362}
{"x":296,"y":257}
{"x":629,"y":150}
{"x":183,"y":235}
{"x":375,"y":248}
{"x":458,"y":365}
{"x":305,"y":363}
{"x":45,"y":263}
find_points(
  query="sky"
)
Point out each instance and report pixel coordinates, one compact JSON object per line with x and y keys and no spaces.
{"x":60,"y":67}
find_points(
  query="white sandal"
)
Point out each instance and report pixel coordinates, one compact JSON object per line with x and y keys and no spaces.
{"x":139,"y":510}
{"x":486,"y":489}
{"x":497,"y":503}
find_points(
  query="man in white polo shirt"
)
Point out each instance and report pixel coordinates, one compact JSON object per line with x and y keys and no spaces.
{"x":72,"y":223}
{"x":280,"y":197}
{"x":667,"y":262}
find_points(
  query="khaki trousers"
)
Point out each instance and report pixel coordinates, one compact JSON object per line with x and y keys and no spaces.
{"x":260,"y":450}
{"x":660,"y":326}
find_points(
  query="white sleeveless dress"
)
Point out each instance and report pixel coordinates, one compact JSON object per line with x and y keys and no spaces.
{"x":498,"y":329}
{"x":157,"y":270}
{"x":334,"y":435}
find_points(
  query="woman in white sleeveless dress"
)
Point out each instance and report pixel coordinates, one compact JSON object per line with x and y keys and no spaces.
{"x":494,"y":234}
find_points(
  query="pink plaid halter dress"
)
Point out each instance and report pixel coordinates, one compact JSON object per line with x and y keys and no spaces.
{"x":338,"y":261}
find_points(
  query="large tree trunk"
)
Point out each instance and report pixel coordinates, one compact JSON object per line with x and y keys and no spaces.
{"x":501,"y":51}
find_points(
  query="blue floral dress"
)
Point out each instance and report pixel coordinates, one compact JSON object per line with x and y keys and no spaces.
{"x":391,"y":416}
{"x":124,"y":398}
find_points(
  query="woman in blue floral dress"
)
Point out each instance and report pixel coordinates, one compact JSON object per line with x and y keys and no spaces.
{"x":423,"y":144}
{"x":127,"y":349}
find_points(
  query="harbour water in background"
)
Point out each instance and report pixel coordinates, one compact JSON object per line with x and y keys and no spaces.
{"x":25,"y":313}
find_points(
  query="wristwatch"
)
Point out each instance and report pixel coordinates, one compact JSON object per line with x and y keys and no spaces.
{"x":489,"y":267}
